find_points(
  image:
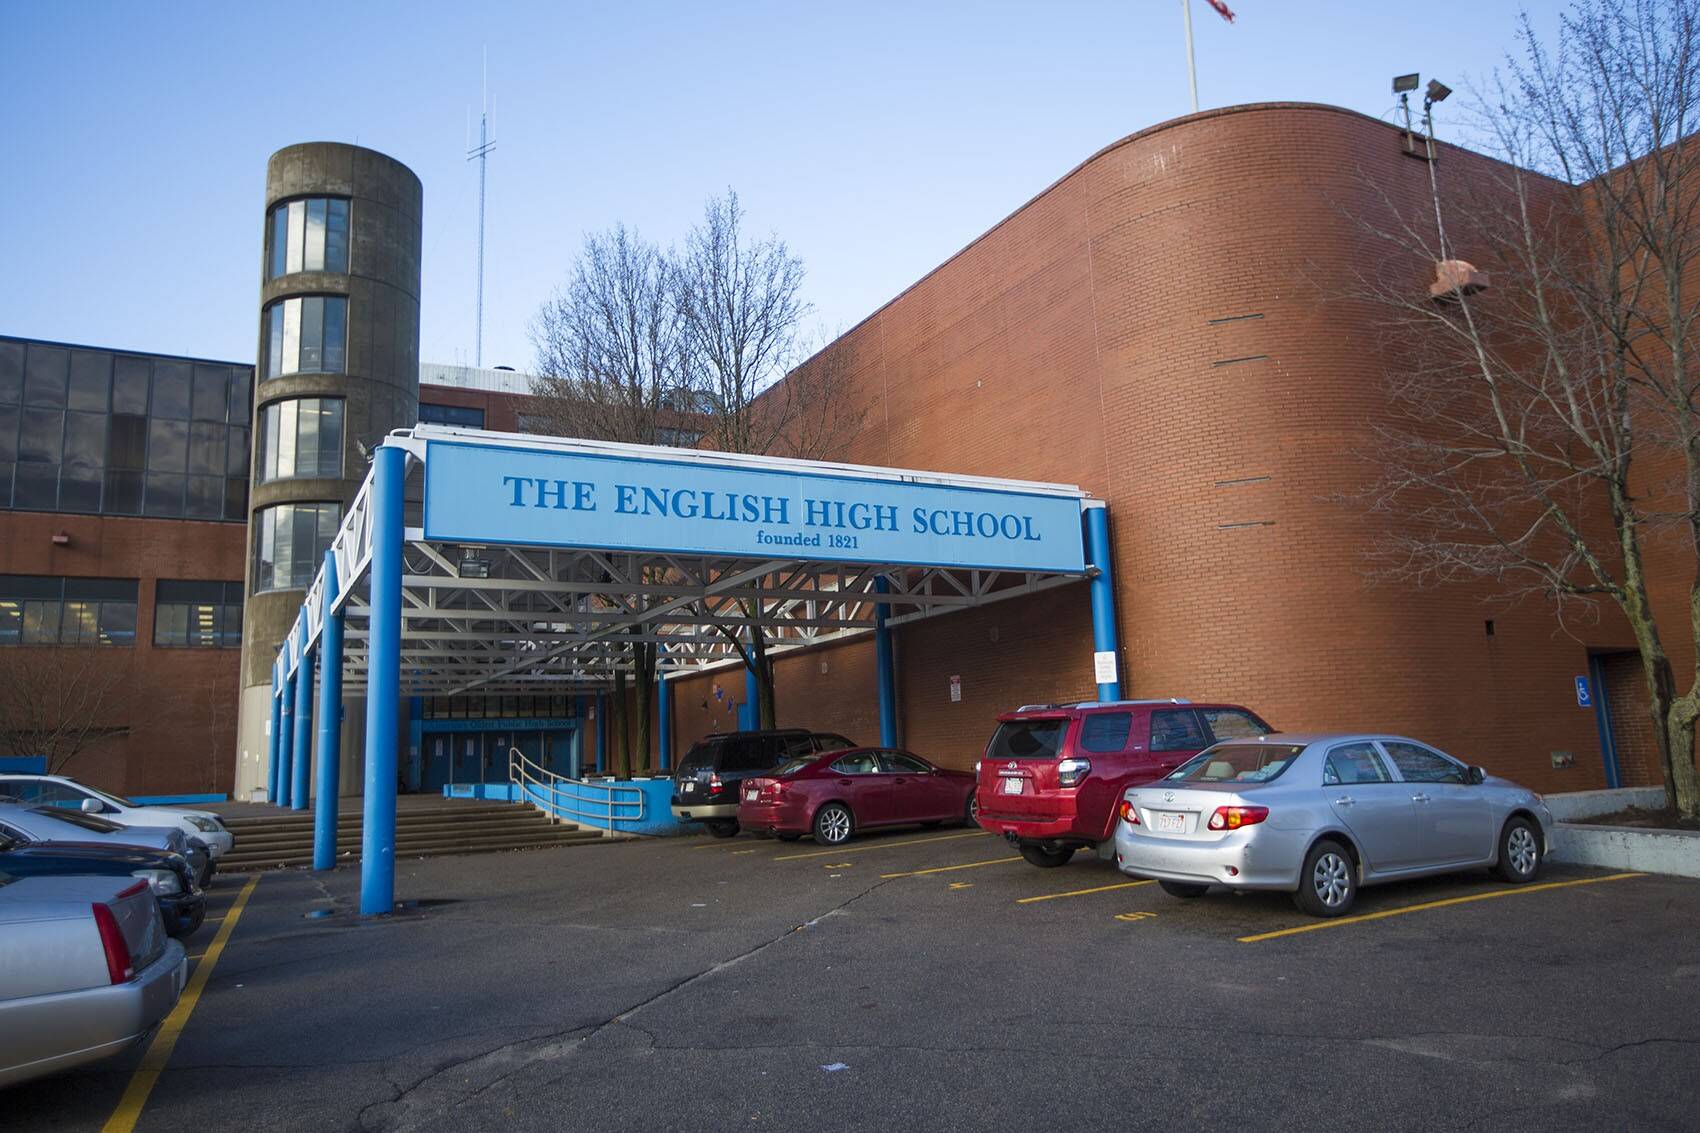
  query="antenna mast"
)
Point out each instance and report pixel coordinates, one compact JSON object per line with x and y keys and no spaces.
{"x":481,"y":152}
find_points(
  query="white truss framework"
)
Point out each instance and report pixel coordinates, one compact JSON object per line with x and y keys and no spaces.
{"x":487,"y":619}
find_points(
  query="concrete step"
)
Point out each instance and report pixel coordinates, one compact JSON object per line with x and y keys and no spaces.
{"x":246,"y":863}
{"x":306,"y":818}
{"x":515,"y":822}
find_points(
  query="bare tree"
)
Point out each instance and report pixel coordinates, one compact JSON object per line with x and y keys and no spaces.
{"x":1547,"y":433}
{"x":59,"y":703}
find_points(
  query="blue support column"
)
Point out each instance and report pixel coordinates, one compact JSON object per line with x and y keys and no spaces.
{"x":1097,"y":523}
{"x":601,"y":734}
{"x":750,"y":715}
{"x":286,"y":737}
{"x":886,"y":668}
{"x":575,"y":748}
{"x":329,"y":775}
{"x":303,"y":745}
{"x":272,"y":747}
{"x":664,"y":710}
{"x":383,"y":684}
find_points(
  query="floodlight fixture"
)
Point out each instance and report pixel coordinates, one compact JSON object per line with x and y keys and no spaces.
{"x":1404,"y":84}
{"x":1437,"y":91}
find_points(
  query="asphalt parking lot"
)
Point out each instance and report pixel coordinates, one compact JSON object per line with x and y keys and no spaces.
{"x":916,"y":979}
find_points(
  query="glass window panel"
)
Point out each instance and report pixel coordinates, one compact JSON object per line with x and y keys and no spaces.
{"x":79,"y":623}
{"x":205,"y":498}
{"x":45,"y":371}
{"x":170,"y":624}
{"x":85,"y":441}
{"x":130,"y":385}
{"x":123,"y":493}
{"x":110,"y":589}
{"x":206,"y":448}
{"x":288,"y":427}
{"x":336,"y":335}
{"x":330,"y":437}
{"x":9,"y":415}
{"x":127,"y":441}
{"x":274,"y":340}
{"x":307,"y":438}
{"x":91,"y":380}
{"x":164,"y":494}
{"x":117,"y":623}
{"x":265,"y":550}
{"x":5,"y":484}
{"x":79,"y":490}
{"x":313,"y":255}
{"x":235,"y":498}
{"x":336,"y":236}
{"x":168,"y":446}
{"x":291,"y":336}
{"x":171,"y":389}
{"x":236,"y":453}
{"x":181,"y":590}
{"x":330,"y":518}
{"x":11,"y":621}
{"x":297,"y":219}
{"x":11,"y":373}
{"x":241,"y":395}
{"x":41,"y":623}
{"x":230,"y":635}
{"x":277,"y":241}
{"x":212,"y":386}
{"x":312,"y":333}
{"x":42,"y":436}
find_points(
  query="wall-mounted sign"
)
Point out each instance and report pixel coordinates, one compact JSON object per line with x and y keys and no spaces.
{"x":1104,"y":667}
{"x":1584,"y":693}
{"x":539,"y":497}
{"x":956,"y":690}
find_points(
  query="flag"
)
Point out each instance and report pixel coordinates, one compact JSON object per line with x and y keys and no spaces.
{"x":1222,"y":9}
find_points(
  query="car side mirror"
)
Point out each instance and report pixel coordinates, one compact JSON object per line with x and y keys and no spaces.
{"x":1475,"y":775}
{"x":91,"y":806}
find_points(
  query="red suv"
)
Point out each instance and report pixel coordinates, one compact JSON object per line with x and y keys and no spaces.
{"x":1053,"y":773}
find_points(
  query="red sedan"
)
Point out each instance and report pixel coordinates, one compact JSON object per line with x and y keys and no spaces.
{"x":834,"y":795}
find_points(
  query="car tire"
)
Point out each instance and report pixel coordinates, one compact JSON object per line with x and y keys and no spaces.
{"x":834,"y":824}
{"x":1328,"y":883}
{"x":971,"y":809}
{"x":1519,"y":852}
{"x":188,"y":928}
{"x":722,"y":827}
{"x":786,"y":835}
{"x":1185,"y":889}
{"x":1046,"y":857}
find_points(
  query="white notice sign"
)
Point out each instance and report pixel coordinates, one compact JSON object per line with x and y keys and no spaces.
{"x":956,"y":690}
{"x":1104,"y":667}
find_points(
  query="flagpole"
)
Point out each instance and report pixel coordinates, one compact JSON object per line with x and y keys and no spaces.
{"x":1191,"y":72}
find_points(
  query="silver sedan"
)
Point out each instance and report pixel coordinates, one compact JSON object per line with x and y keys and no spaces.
{"x":1319,"y":815}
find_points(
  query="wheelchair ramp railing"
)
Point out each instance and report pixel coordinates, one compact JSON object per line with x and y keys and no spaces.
{"x":574,"y":800}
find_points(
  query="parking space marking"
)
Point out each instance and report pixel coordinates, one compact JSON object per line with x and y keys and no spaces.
{"x":142,"y":1082}
{"x":949,"y":868}
{"x":1082,"y":892}
{"x":1381,"y":914}
{"x":883,"y":846}
{"x":1139,"y":916}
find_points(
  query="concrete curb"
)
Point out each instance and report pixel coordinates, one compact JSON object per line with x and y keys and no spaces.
{"x":1674,"y":852}
{"x":1573,"y":805}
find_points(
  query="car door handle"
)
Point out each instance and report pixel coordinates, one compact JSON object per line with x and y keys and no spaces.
{"x":899,"y":779}
{"x":844,"y":782}
{"x":1343,"y":800}
{"x":1419,"y":798}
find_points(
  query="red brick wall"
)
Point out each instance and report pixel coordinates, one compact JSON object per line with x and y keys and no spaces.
{"x":184,"y":730}
{"x":1631,"y":725}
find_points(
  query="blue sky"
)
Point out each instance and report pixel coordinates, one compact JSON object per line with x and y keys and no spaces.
{"x":877,"y":138}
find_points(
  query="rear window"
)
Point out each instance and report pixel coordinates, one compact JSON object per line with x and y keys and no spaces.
{"x":1027,"y":739}
{"x":831,"y":741}
{"x":701,"y":756}
{"x":792,"y":766}
{"x":1238,"y":763}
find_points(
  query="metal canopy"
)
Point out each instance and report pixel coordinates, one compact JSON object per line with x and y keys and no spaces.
{"x":488,"y":617}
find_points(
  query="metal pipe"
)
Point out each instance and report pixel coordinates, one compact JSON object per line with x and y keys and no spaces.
{"x":383,"y":690}
{"x":886,"y":668}
{"x":1191,"y":71}
{"x":329,"y":776}
{"x":303,"y":745}
{"x":286,"y":736}
{"x":1103,"y":587}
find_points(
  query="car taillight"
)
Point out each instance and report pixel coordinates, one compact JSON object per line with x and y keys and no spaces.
{"x":715,"y":786}
{"x":118,"y":961}
{"x":1234,"y":817}
{"x":1128,"y":813}
{"x":1071,"y":771}
{"x":773,"y":790}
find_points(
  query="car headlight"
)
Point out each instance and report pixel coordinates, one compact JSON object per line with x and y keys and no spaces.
{"x":204,"y":825}
{"x":161,"y":881}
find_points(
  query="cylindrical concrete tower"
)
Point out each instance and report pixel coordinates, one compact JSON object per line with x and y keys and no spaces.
{"x":338,"y":368}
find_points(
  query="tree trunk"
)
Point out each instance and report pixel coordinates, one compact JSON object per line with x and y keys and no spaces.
{"x":618,"y":719}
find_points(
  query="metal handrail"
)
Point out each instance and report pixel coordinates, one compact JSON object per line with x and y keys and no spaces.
{"x":542,"y":788}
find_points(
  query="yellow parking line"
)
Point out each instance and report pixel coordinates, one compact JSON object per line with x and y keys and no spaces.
{"x":883,"y":846}
{"x":129,"y":1110}
{"x":1403,"y":909}
{"x":1083,"y":892}
{"x":948,"y":868}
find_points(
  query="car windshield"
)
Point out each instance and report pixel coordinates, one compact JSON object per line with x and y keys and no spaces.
{"x":77,"y":818}
{"x":119,"y":800}
{"x":1238,"y":763}
{"x":1027,"y":739}
{"x":792,"y":766}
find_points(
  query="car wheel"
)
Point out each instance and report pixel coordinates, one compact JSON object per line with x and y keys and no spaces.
{"x":971,"y":809}
{"x":1519,"y":852}
{"x":1047,"y":857}
{"x":188,"y":927}
{"x":1328,"y":884}
{"x":1185,"y":889}
{"x":786,"y":836}
{"x":722,"y":827}
{"x":833,"y":824}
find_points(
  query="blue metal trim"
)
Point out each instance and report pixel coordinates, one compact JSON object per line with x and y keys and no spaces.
{"x":178,"y":800}
{"x":1602,"y":721}
{"x":886,"y":668}
{"x":383,"y":683}
{"x":330,"y":724}
{"x":303,"y":765}
{"x":502,"y":724}
{"x":664,"y":713}
{"x":1103,"y":595}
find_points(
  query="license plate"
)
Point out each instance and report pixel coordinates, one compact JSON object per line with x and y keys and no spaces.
{"x":1012,"y":786}
{"x":1171,"y":823}
{"x":688,"y":788}
{"x":750,"y":796}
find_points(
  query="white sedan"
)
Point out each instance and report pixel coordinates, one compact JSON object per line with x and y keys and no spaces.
{"x":59,"y":790}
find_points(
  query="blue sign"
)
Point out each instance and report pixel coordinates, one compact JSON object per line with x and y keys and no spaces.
{"x":1584,"y":694}
{"x":492,"y":494}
